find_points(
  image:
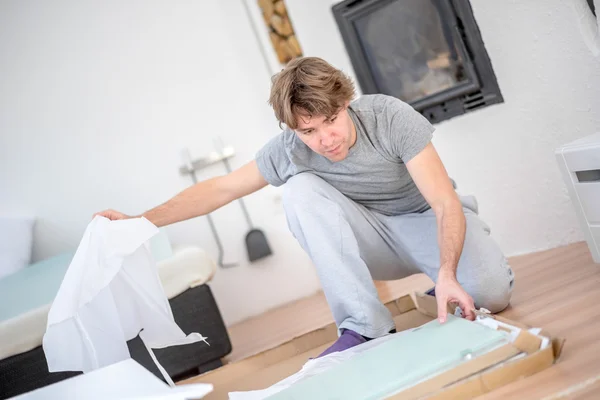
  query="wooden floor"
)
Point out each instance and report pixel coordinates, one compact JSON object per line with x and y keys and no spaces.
{"x":558,"y":290}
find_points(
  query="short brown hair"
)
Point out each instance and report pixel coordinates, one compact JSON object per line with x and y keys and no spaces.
{"x":309,"y":86}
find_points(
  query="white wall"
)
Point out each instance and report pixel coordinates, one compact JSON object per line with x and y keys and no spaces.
{"x":97,"y":100}
{"x":503,"y":154}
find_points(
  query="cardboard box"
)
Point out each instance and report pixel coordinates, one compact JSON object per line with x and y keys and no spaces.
{"x":470,"y":379}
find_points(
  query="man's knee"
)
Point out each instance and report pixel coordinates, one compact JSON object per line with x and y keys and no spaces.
{"x":493,"y":291}
{"x":301,"y":187}
{"x":495,"y":300}
{"x":300,"y":197}
{"x":483,"y":269}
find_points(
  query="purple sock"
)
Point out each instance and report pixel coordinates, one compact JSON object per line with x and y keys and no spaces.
{"x":346,"y":340}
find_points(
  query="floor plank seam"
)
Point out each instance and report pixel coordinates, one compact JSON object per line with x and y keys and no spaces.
{"x":573,"y":389}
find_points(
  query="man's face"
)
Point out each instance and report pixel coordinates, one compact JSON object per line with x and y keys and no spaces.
{"x":331,"y":138}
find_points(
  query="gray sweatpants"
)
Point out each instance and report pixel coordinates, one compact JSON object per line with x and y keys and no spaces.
{"x":351,"y":245}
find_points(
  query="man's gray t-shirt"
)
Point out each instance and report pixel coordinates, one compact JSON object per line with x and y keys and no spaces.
{"x":389,"y":133}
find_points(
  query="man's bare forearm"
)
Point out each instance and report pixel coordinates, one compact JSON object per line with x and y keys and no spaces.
{"x":200,"y":199}
{"x":451,"y":236}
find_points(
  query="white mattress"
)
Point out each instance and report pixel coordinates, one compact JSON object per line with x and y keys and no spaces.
{"x":186,"y":268}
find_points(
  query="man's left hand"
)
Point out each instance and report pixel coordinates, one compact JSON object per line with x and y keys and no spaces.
{"x":448,"y":290}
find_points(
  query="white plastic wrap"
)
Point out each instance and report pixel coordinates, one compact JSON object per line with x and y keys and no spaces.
{"x":110,"y":294}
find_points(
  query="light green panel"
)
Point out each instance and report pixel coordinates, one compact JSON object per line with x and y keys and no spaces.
{"x":398,"y":363}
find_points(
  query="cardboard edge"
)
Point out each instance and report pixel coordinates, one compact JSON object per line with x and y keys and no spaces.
{"x":405,"y":304}
{"x":458,"y":373}
{"x":557,"y":347}
{"x":557,"y":342}
{"x":527,"y":342}
{"x":504,"y":329}
{"x":428,"y":305}
{"x":497,"y":376}
{"x":271,"y":356}
{"x":509,"y":321}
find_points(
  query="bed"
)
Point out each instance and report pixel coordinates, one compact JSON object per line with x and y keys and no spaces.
{"x":26,"y":296}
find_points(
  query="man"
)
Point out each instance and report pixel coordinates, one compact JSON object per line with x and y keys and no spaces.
{"x":366,"y":196}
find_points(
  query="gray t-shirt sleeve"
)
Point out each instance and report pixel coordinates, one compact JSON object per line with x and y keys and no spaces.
{"x":409,"y":131}
{"x":273,"y":161}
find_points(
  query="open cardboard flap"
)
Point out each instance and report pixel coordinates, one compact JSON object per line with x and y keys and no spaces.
{"x":525,"y":356}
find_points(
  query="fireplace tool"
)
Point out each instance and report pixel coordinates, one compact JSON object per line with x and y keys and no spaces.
{"x":257,"y":245}
{"x":189,"y":168}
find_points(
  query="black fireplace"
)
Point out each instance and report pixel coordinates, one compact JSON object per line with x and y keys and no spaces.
{"x":428,"y":53}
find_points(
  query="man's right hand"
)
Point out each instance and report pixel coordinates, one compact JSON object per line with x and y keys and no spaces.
{"x":112,"y":215}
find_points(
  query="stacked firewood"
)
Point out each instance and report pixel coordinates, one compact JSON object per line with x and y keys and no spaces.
{"x":280,"y":29}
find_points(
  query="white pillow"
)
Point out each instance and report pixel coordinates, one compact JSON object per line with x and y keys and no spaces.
{"x":16,"y":240}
